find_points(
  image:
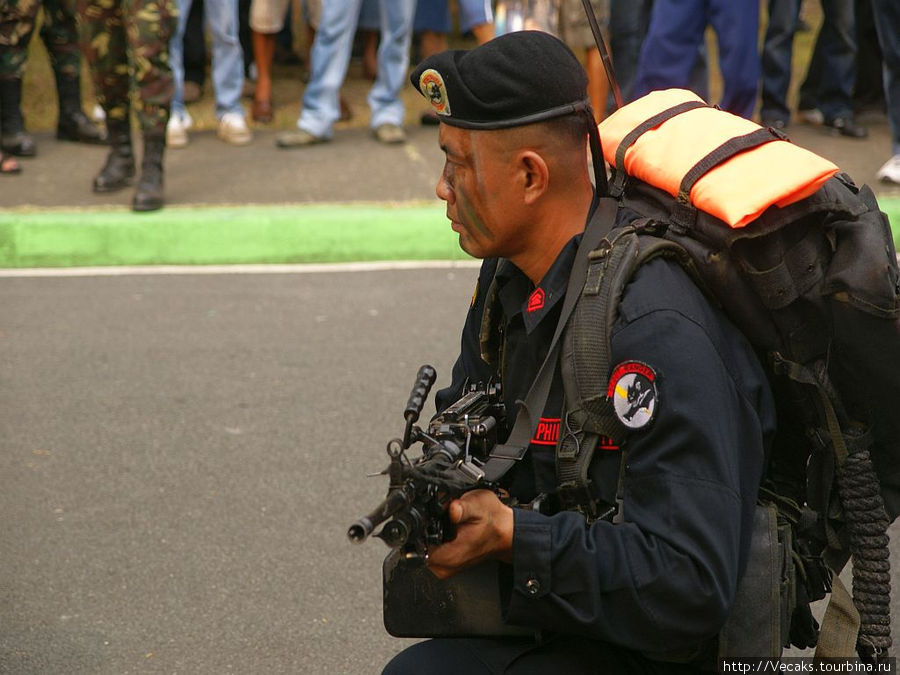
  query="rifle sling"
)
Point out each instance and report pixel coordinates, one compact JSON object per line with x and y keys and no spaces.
{"x":504,"y":457}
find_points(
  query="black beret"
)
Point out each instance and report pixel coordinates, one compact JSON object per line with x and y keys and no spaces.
{"x":515,"y":79}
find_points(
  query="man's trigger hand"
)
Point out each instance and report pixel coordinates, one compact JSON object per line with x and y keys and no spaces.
{"x":484,"y":530}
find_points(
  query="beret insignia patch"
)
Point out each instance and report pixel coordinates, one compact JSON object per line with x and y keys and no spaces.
{"x":632,"y":388}
{"x":433,"y":88}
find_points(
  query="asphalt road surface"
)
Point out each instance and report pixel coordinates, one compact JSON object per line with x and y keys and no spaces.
{"x":181,"y":458}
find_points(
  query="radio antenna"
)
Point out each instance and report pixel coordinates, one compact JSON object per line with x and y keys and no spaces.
{"x":604,"y":53}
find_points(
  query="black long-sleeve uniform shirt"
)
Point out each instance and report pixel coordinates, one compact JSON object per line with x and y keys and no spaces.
{"x":664,"y":578}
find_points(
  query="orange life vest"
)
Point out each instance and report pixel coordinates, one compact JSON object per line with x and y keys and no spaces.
{"x":725,"y":165}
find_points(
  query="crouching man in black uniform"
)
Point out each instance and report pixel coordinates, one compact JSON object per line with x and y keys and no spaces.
{"x":649,"y":592}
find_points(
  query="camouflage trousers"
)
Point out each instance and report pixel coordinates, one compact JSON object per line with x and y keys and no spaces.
{"x":58,"y":31}
{"x":127,"y":42}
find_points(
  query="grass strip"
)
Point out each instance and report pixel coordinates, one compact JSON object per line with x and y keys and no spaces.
{"x":240,"y":235}
{"x":891,"y":206}
{"x":227,"y":235}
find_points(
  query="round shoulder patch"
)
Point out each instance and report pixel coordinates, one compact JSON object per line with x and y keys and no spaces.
{"x":432,"y":86}
{"x":632,"y":388}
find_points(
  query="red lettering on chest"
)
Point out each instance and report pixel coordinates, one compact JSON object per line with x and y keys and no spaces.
{"x":606,"y":443}
{"x":547,"y":432}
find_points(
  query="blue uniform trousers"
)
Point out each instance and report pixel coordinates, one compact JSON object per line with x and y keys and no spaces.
{"x":676,"y":33}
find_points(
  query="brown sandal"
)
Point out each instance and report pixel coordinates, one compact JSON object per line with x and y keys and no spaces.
{"x":262,"y":111}
{"x":9,"y":165}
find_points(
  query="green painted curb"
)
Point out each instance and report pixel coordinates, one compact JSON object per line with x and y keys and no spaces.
{"x":891,"y":206}
{"x":240,"y":235}
{"x":227,"y":235}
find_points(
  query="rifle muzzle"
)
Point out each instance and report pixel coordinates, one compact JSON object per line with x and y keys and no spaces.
{"x":362,"y":528}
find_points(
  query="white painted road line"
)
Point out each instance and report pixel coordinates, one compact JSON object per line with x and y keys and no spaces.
{"x":311,"y":268}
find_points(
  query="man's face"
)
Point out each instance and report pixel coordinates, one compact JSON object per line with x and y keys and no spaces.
{"x":478,"y":186}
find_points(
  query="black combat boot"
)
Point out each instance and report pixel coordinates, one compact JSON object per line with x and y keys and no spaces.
{"x":13,"y":137}
{"x":149,"y":193}
{"x":119,"y":168}
{"x":73,"y":124}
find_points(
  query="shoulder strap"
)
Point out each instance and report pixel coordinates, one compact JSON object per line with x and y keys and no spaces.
{"x":586,"y":357}
{"x":503,"y":457}
{"x":587,"y":350}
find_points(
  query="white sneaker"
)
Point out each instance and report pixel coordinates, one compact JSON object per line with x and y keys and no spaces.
{"x":812,"y":116}
{"x":177,"y":128}
{"x":233,"y":129}
{"x":890,"y":172}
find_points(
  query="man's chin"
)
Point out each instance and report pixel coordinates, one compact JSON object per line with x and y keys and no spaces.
{"x":466,"y":245}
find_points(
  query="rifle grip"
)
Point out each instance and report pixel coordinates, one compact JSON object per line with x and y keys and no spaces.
{"x":424,"y":380}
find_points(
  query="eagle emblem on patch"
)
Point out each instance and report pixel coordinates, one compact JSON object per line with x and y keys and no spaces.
{"x":432,"y":86}
{"x":632,"y":389}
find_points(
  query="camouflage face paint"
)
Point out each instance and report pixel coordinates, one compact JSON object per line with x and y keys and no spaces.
{"x":469,"y":216}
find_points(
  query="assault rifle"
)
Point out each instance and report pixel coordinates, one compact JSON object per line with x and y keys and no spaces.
{"x":454,"y":448}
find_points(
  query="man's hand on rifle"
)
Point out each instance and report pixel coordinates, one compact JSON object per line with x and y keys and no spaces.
{"x":484,"y":530}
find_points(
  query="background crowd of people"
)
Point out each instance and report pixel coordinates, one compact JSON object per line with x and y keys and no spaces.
{"x":149,"y":59}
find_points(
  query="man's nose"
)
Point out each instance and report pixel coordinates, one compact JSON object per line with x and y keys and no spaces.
{"x":443,"y":190}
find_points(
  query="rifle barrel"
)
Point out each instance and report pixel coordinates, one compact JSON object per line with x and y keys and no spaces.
{"x":360,"y":530}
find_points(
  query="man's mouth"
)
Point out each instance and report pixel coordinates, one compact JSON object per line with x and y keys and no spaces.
{"x":455,"y":225}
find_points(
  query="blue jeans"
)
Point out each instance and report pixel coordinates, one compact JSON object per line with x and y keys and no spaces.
{"x":227,"y":57}
{"x":777,"y":49}
{"x":676,"y":33}
{"x":887,"y":20}
{"x":330,"y":57}
{"x":832,"y":71}
{"x":434,"y":15}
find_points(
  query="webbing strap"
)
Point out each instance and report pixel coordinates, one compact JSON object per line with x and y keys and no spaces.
{"x":503,"y":457}
{"x":804,"y":375}
{"x":645,"y":126}
{"x":724,"y":152}
{"x":800,"y":373}
{"x":840,"y":625}
{"x":684,"y":213}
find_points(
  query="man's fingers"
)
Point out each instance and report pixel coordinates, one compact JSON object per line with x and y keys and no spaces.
{"x":457,"y":511}
{"x":470,"y":506}
{"x":441,"y":572}
{"x":440,"y":562}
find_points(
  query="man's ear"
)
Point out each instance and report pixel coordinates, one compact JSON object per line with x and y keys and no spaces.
{"x":535,"y":175}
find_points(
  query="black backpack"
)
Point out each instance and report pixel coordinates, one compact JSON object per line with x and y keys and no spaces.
{"x":815,"y":287}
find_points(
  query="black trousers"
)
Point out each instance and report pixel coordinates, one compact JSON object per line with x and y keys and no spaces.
{"x":514,"y":656}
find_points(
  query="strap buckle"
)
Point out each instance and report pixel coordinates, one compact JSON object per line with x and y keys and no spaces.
{"x":511,"y":452}
{"x":579,"y":498}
